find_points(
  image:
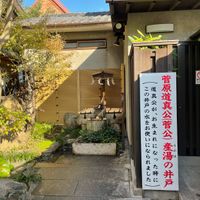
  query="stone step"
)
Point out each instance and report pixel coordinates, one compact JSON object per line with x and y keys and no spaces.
{"x":82,"y":198}
{"x":131,"y":198}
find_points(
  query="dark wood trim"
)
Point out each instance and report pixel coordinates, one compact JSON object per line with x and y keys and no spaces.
{"x":119,"y":9}
{"x":86,"y":40}
{"x":176,"y":3}
{"x":157,"y":43}
{"x":195,"y":35}
{"x":133,"y":1}
{"x":196,"y":5}
{"x":151,"y":6}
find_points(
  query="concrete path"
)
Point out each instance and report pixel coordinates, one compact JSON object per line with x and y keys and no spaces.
{"x":189,"y":171}
{"x":84,"y":178}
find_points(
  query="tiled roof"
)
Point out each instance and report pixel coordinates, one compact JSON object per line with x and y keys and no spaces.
{"x":72,"y":19}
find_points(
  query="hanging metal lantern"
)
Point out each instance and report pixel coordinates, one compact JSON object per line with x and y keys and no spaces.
{"x":103,"y":78}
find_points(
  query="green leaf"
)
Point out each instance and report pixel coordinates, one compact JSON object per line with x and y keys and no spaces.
{"x":4,"y":172}
{"x":145,"y":38}
{"x":5,"y":168}
{"x":141,"y":33}
{"x":131,"y":39}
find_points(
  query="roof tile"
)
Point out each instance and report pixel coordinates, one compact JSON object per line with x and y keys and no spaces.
{"x":72,"y":19}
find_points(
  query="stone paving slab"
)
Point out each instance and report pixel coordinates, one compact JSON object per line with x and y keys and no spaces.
{"x":84,"y":173}
{"x":111,"y":161}
{"x":73,"y":198}
{"x":189,"y":170}
{"x":84,"y":178}
{"x":85,"y":187}
{"x":189,"y":161}
{"x":49,"y":165}
{"x":102,"y":188}
{"x":132,"y":198}
{"x":85,"y":198}
{"x":56,"y":187}
{"x":37,"y":197}
{"x":104,"y":178}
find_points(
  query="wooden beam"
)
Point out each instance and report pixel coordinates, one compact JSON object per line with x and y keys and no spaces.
{"x":128,"y":7}
{"x":135,"y":1}
{"x":151,"y":6}
{"x":176,"y":3}
{"x":196,"y":5}
{"x":78,"y":91}
{"x":159,"y":43}
{"x":112,"y":9}
{"x":195,"y":36}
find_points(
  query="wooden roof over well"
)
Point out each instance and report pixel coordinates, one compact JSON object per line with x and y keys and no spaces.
{"x":155,"y":5}
{"x":120,"y":8}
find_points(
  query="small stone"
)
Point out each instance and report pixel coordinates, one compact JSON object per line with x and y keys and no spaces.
{"x":70,"y":141}
{"x":84,"y":127}
{"x":70,"y":120}
{"x":116,"y":127}
{"x":12,"y":190}
{"x":81,"y":120}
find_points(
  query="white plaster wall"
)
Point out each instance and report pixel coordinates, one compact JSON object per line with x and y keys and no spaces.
{"x":185,"y":22}
{"x":90,"y":58}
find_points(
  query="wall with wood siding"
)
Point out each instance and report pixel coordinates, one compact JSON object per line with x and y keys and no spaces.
{"x":76,"y":94}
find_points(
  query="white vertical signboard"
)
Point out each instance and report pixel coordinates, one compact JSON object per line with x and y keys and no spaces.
{"x":158,"y":114}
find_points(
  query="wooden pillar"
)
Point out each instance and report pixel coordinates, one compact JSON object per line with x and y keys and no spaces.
{"x":78,"y":91}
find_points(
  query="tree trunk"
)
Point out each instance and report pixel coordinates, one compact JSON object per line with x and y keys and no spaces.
{"x":29,"y":101}
{"x":1,"y":85}
{"x":4,"y":36}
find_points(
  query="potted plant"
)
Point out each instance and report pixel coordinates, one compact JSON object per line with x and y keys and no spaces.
{"x":145,"y":38}
{"x":102,"y":142}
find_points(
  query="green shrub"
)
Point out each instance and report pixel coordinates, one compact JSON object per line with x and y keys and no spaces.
{"x":45,"y":144}
{"x":27,"y":177}
{"x":16,"y":155}
{"x":11,"y":122}
{"x":106,"y":135}
{"x":72,"y":133}
{"x":40,"y":130}
{"x":5,"y":168}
